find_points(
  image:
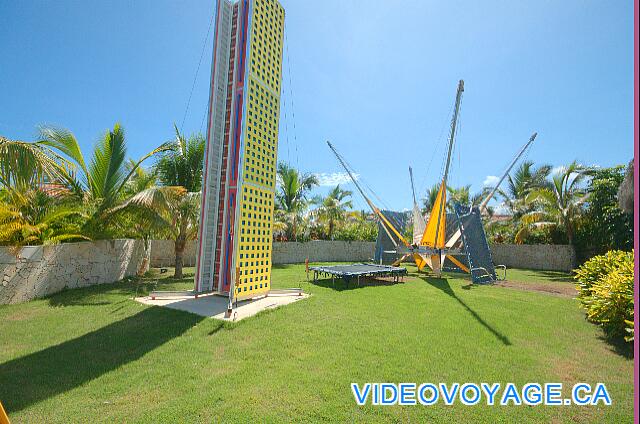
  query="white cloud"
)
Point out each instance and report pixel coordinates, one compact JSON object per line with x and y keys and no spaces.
{"x":490,"y":181}
{"x":501,"y":209}
{"x":326,"y":179}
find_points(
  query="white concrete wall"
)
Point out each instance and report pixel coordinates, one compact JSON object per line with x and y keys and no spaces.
{"x":548,"y":257}
{"x":42,"y":270}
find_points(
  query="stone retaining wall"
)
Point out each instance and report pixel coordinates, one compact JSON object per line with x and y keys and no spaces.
{"x":42,"y":270}
{"x":547,"y":257}
{"x":162,"y":254}
{"x":323,"y":251}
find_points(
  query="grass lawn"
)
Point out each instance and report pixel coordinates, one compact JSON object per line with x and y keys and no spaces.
{"x":94,"y":354}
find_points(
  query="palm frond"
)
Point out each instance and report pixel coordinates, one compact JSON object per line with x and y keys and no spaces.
{"x":160,"y":198}
{"x":25,"y":165}
{"x":66,"y":237}
{"x":64,"y":141}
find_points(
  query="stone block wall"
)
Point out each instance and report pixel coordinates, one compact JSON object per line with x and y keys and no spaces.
{"x":162,"y":254}
{"x":43,"y":270}
{"x":39,"y":271}
{"x":323,"y":251}
{"x":538,"y":256}
{"x":546,"y":257}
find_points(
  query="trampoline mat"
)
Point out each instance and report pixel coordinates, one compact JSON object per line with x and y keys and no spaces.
{"x":358,"y":269}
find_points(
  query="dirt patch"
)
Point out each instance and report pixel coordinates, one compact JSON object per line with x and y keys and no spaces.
{"x":558,"y":289}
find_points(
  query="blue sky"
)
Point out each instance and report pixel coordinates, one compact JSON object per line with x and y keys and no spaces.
{"x":377,"y":78}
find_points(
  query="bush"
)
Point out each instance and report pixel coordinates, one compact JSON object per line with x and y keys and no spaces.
{"x":357,"y":231}
{"x":605,"y":283}
{"x":598,"y":267}
{"x":604,"y":226}
{"x":505,"y":232}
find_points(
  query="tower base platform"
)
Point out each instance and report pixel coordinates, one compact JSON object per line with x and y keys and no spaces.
{"x":214,"y":306}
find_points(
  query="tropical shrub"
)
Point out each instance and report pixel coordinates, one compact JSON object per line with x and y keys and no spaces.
{"x":605,"y":283}
{"x":36,"y":217}
{"x":357,"y":231}
{"x":604,"y":225}
{"x":51,"y":192}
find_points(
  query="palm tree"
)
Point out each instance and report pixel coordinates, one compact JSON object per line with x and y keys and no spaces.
{"x":462,"y":195}
{"x":562,"y":202}
{"x":100,"y":180}
{"x":29,"y":171}
{"x":280,"y":224}
{"x":525,"y":179}
{"x":430,"y":200}
{"x":182,"y":164}
{"x":179,"y":167}
{"x":291,"y":196}
{"x":169,"y":209}
{"x":333,"y":207}
{"x":142,"y":179}
{"x":135,"y":223}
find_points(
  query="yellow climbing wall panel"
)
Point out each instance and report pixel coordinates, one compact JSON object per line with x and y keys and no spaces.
{"x":256,"y":197}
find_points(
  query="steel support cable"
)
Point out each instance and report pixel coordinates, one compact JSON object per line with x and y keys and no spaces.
{"x":195,"y":77}
{"x":440,"y":142}
{"x":293,"y":113}
{"x":366,"y":185}
{"x":286,"y":130}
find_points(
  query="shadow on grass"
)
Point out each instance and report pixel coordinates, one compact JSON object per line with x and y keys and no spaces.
{"x":619,"y":346}
{"x":284,"y":266}
{"x":218,"y":326}
{"x":339,"y":284}
{"x":556,"y":276}
{"x":131,"y":287}
{"x":94,"y":295}
{"x":57,"y":369}
{"x":443,"y":284}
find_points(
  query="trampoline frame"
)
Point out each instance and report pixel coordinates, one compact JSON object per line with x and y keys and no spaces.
{"x":371,"y":270}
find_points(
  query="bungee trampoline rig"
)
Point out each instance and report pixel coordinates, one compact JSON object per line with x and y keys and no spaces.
{"x":461,"y":246}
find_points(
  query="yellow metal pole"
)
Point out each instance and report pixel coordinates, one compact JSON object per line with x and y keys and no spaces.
{"x":458,"y":263}
{"x":4,"y":418}
{"x":386,"y":221}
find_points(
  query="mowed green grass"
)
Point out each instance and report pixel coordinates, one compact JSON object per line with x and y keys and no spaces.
{"x":95,"y":355}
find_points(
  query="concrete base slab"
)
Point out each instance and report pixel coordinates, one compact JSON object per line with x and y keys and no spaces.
{"x":215,"y":306}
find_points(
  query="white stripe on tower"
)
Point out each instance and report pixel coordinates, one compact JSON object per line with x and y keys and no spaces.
{"x":213,"y":152}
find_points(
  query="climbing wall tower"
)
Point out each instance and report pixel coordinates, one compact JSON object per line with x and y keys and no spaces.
{"x":234,"y":249}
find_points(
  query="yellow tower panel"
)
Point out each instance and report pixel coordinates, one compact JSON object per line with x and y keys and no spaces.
{"x":260,"y":141}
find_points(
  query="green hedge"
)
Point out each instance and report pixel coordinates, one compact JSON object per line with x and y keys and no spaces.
{"x":605,"y":283}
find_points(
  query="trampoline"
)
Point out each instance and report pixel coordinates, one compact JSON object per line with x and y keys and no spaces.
{"x":347,"y":272}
